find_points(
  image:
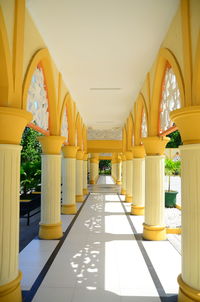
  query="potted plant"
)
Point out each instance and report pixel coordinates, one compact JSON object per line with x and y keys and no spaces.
{"x":172,"y":168}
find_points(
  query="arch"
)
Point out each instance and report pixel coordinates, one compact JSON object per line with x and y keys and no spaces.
{"x":165,"y":57}
{"x":6,"y":80}
{"x":196,"y":82}
{"x":71,"y":118}
{"x":42,"y":58}
{"x":84,"y":138}
{"x":129,"y":128}
{"x":124,"y":139}
{"x":79,"y":129}
{"x":64,"y":110}
{"x":140,"y":107}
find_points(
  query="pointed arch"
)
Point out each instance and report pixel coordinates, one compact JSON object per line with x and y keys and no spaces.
{"x":79,"y":129}
{"x":130,"y":132}
{"x":6,"y":80}
{"x":196,"y":82}
{"x":71,"y":118}
{"x":165,"y":57}
{"x":84,"y":138}
{"x":62,"y":116}
{"x":42,"y":58}
{"x":124,"y":139}
{"x":140,"y":108}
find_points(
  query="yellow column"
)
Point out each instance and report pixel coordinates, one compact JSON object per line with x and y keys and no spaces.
{"x":118,"y":170}
{"x":137,"y":207}
{"x":79,"y":176}
{"x":129,"y":176}
{"x":85,"y":172}
{"x":123,"y":190}
{"x":94,"y":168}
{"x":50,"y":224}
{"x":154,"y":225}
{"x":12,"y":124}
{"x":188,"y":121}
{"x":69,"y":180}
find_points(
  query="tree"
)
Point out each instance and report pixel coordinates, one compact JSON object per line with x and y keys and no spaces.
{"x":31,"y":148}
{"x":30,"y":171}
{"x":175,"y":140}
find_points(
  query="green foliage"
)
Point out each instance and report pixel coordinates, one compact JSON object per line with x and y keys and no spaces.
{"x":175,"y":140}
{"x":31,"y":148}
{"x":30,"y":171}
{"x":172,"y":168}
{"x":105,"y":167}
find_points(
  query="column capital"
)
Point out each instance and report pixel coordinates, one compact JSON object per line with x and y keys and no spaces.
{"x":69,"y":151}
{"x":129,"y":155}
{"x":187,"y":120}
{"x":155,"y":145}
{"x":85,"y":156}
{"x":138,"y":151}
{"x":79,"y":155}
{"x":123,"y":157}
{"x":51,"y":144}
{"x":12,"y":124}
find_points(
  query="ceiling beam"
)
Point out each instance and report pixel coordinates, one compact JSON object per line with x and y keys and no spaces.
{"x":104,"y":146}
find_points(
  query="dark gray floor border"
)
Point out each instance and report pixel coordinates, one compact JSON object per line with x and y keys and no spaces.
{"x":161,"y":292}
{"x":28,"y":295}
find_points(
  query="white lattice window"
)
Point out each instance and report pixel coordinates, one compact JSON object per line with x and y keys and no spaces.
{"x":64,"y":129}
{"x":144,"y":124}
{"x":37,"y":102}
{"x":170,"y":99}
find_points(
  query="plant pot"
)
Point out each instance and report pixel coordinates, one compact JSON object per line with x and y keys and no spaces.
{"x":170,"y":199}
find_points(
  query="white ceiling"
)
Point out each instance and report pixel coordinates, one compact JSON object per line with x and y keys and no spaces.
{"x":103,"y":44}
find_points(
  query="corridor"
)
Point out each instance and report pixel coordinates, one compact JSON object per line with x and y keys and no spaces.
{"x":103,"y":257}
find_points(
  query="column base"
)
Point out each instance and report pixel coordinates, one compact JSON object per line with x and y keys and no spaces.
{"x":155,"y":233}
{"x":92,"y":182}
{"x":128,"y":198}
{"x":118,"y":182}
{"x":50,"y":231}
{"x":137,"y":210}
{"x":79,"y":198}
{"x":69,"y":209}
{"x":11,"y":291}
{"x":85,"y":192}
{"x":187,"y":293}
{"x":123,"y":192}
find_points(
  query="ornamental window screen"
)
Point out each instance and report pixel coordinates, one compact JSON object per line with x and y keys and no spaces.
{"x":37,"y":102}
{"x":144,"y":124}
{"x":170,"y":99}
{"x":64,"y":129}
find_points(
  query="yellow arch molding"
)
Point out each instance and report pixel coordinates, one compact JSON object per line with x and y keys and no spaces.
{"x":124,"y":139}
{"x":196,"y":82}
{"x":165,"y":55}
{"x":140,"y":105}
{"x":6,"y":80}
{"x":79,"y":128}
{"x":71,"y":113}
{"x":129,"y":132}
{"x":42,"y":56}
{"x":64,"y":107}
{"x":84,"y":138}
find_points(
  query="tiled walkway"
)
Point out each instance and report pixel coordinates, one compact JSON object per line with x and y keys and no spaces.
{"x":103,"y":257}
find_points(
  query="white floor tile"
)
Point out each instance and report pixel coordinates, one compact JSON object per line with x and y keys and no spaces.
{"x":54,"y":294}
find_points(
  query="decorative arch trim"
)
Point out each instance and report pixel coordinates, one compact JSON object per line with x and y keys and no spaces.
{"x":42,"y":58}
{"x":6,"y":76}
{"x":165,"y":57}
{"x":140,"y":106}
